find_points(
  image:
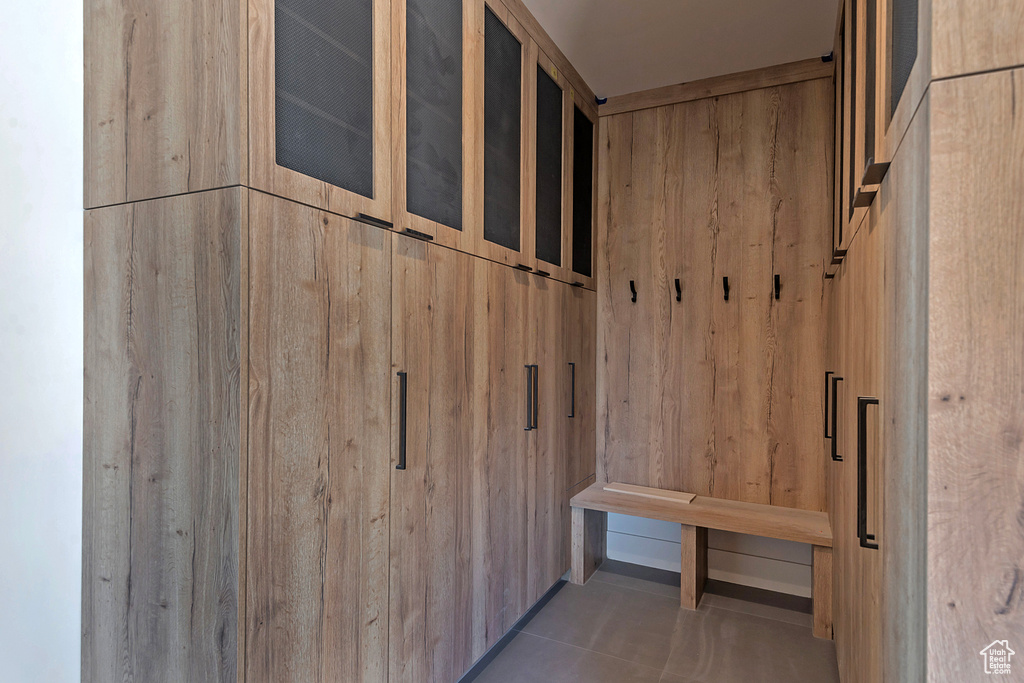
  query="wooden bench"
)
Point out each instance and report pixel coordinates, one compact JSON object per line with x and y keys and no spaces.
{"x":590,"y":524}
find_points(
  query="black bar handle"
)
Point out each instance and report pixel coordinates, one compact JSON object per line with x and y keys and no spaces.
{"x":827,"y":405}
{"x":543,"y":273}
{"x":835,"y":419}
{"x":523,"y":267}
{"x":632,"y":288}
{"x":778,"y":285}
{"x":862,"y":472}
{"x":536,"y":395}
{"x":679,"y":290}
{"x":725,"y":287}
{"x":577,"y":283}
{"x":572,"y":394}
{"x":403,"y":402}
{"x":529,"y":398}
{"x":416,"y":234}
{"x":376,"y":222}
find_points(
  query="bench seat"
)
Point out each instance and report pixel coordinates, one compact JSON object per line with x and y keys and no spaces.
{"x":589,"y":526}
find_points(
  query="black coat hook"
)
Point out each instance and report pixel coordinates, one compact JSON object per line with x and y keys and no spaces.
{"x":679,"y":290}
{"x":632,"y":288}
{"x":778,"y":286}
{"x":725,"y":287}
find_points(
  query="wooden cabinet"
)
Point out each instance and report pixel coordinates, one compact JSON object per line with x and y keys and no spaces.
{"x":437,"y":505}
{"x":709,"y":376}
{"x":319,"y":397}
{"x":581,"y":316}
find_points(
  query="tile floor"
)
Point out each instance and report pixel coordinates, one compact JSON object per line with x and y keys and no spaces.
{"x":626,"y":625}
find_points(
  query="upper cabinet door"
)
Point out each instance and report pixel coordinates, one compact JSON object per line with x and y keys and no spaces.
{"x":582,"y":196}
{"x":320,"y":103}
{"x":506,"y":93}
{"x":437,"y":74}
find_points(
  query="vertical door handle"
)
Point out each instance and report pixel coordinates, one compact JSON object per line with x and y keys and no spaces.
{"x":529,"y":398}
{"x":572,"y":394}
{"x":725,"y":287}
{"x":827,"y":404}
{"x":835,"y":419}
{"x":866,"y":539}
{"x":536,"y":394}
{"x":403,"y":402}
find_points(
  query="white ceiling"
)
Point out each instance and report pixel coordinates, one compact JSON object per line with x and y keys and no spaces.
{"x":623,"y":46}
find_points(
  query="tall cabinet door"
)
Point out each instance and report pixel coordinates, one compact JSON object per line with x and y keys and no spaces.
{"x":320,"y":103}
{"x":548,"y":438}
{"x":434,"y":476}
{"x":500,"y":450}
{"x":317,"y":556}
{"x":579,"y":329}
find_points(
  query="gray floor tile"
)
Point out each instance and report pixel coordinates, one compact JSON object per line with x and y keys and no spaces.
{"x":766,"y":611}
{"x":727,"y":647}
{"x":612,"y":620}
{"x":637,"y":584}
{"x":532,"y":659}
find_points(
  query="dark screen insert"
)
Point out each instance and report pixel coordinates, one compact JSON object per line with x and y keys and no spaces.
{"x":851,"y":170}
{"x":582,"y":193}
{"x":549,"y":169}
{"x":904,"y":47}
{"x":502,"y":131}
{"x":434,"y":110}
{"x":323,"y":65}
{"x":869,"y":83}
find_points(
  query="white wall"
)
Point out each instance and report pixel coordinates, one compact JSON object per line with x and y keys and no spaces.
{"x":781,"y":566}
{"x":40,"y":339}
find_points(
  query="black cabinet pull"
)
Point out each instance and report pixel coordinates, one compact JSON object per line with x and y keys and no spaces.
{"x":403,"y":401}
{"x":835,"y":419}
{"x":572,"y":395}
{"x":827,"y":404}
{"x":679,"y":290}
{"x":866,"y":539}
{"x":725,"y":287}
{"x":523,"y":267}
{"x":632,"y":288}
{"x":375,"y":222}
{"x":778,"y":286}
{"x":536,"y":394}
{"x":416,"y":234}
{"x":529,"y":398}
{"x":543,"y":273}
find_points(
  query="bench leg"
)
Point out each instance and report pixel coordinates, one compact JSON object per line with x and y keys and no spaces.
{"x":694,"y":572}
{"x":589,"y":529}
{"x":821,"y":591}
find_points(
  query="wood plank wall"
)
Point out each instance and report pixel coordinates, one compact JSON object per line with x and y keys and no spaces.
{"x":703,"y":395}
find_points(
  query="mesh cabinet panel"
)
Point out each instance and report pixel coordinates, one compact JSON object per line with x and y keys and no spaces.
{"x":904,"y":47}
{"x":852,"y":171}
{"x":323,"y":66}
{"x":549,"y":169}
{"x":434,"y":110}
{"x":869,"y":84}
{"x":502,"y":132}
{"x":582,"y":193}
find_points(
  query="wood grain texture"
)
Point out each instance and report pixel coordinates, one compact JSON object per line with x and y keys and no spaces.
{"x":694,"y":563}
{"x":969,"y":36}
{"x":265,"y":174}
{"x":580,"y":328}
{"x":821,"y":591}
{"x":770,"y":77}
{"x":771,"y":521}
{"x":164,"y":107}
{"x":647,"y":492}
{"x":160,"y":565}
{"x":975,"y":372}
{"x":432,"y":545}
{"x":589,"y":534}
{"x":318,"y":445}
{"x":905,"y":207}
{"x":703,"y":395}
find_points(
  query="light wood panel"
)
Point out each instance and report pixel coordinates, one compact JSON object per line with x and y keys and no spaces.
{"x":580,"y":328}
{"x":772,"y":521}
{"x":319,"y":396}
{"x":821,"y":588}
{"x":432,"y":501}
{"x":163,"y":335}
{"x":975,"y":371}
{"x":589,"y":536}
{"x":770,"y":77}
{"x":694,"y":563}
{"x":164,"y":107}
{"x":265,"y":174}
{"x":697,"y":393}
{"x":969,"y":36}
